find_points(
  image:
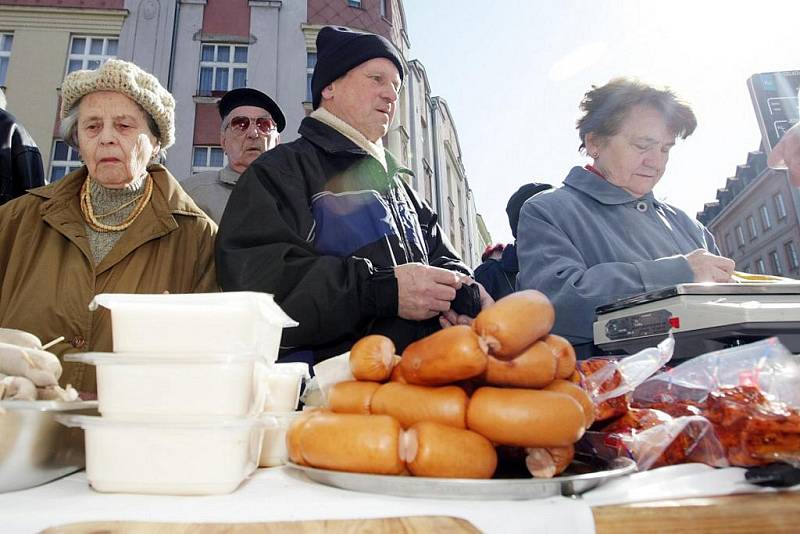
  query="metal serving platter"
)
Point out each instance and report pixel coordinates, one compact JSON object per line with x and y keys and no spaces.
{"x":584,"y":474}
{"x":34,"y":448}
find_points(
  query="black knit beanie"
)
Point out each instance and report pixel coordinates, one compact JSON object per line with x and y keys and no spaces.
{"x":340,"y":49}
{"x":518,"y":199}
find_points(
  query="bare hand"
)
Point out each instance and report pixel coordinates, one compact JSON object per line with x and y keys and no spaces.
{"x":787,"y":152}
{"x":451,"y":318}
{"x":424,"y":291}
{"x":708,"y":267}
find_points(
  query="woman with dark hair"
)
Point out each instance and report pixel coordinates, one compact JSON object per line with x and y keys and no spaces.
{"x":602,"y":235}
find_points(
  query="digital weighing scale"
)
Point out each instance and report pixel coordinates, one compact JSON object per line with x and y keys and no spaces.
{"x":701,"y":317}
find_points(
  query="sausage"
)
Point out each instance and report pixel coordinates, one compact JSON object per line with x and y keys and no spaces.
{"x":515,"y":322}
{"x":449,"y":355}
{"x":411,"y":404}
{"x":547,"y":463}
{"x":565,"y":355}
{"x":293,"y":435}
{"x":351,"y":396}
{"x":397,"y":371}
{"x":579,"y":394}
{"x":534,"y":368}
{"x":352,"y":442}
{"x":372,"y":358}
{"x":525,"y":417}
{"x":435,"y":450}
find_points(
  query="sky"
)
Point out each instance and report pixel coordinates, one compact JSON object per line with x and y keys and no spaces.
{"x":514,"y":71}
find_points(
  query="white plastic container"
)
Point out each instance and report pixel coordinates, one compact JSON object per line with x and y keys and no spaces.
{"x":283,"y":382}
{"x":273,"y":448}
{"x":236,"y":322}
{"x":168,"y":457}
{"x":202,"y":386}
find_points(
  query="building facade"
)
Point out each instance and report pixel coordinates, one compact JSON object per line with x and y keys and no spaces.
{"x":756,"y":219}
{"x":199,"y":49}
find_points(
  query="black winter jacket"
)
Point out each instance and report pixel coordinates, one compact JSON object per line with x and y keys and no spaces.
{"x":321,"y":225}
{"x":20,"y":160}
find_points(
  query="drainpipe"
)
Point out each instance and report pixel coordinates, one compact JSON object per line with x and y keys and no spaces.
{"x":174,"y":45}
{"x":435,"y":150}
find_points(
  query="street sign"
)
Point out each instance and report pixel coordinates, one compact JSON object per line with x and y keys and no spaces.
{"x":775,"y":99}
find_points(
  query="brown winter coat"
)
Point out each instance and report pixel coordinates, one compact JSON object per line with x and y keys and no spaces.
{"x":48,"y":276}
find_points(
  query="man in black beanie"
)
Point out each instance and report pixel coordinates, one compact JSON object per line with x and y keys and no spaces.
{"x":251,"y":124}
{"x":498,"y":272}
{"x":328,"y":224}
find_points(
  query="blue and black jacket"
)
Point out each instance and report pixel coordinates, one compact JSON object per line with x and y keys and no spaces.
{"x":320,"y":224}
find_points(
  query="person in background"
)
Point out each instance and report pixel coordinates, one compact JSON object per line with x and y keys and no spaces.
{"x":251,"y":125}
{"x":787,"y":153}
{"x":498,"y":272}
{"x":328,"y":223}
{"x":119,"y":224}
{"x":20,"y":161}
{"x":602,"y":235}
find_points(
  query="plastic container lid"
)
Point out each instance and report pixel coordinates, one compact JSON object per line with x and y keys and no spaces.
{"x":173,"y":423}
{"x":262,"y":303}
{"x":142,"y":358}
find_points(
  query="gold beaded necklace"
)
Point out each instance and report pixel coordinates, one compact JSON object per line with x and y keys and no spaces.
{"x":91,"y":219}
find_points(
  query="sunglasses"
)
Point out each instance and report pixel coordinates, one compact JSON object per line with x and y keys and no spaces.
{"x":241,"y":125}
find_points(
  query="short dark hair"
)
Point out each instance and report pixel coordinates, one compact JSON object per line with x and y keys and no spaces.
{"x":605,"y":107}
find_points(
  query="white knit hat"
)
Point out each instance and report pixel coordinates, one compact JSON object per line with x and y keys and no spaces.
{"x":124,"y":77}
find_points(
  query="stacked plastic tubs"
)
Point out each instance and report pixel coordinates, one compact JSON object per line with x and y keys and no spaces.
{"x":182,"y":395}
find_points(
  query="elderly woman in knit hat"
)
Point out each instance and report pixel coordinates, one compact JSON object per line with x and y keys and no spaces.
{"x":119,"y":224}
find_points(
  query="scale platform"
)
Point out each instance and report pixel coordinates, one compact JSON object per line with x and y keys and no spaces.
{"x":701,"y":317}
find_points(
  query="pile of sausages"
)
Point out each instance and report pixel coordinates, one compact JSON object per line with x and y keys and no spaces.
{"x":454,"y":397}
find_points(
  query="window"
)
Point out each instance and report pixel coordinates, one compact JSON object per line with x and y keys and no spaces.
{"x":780,"y":207}
{"x":728,"y":244}
{"x":760,"y":267}
{"x":222,"y":67}
{"x":428,"y":185}
{"x":354,"y":3}
{"x":65,"y":160}
{"x":311,"y":62}
{"x":791,"y":255}
{"x":751,"y":228}
{"x":766,"y":224}
{"x":775,"y":260}
{"x":739,"y":235}
{"x":384,"y":8}
{"x":207,"y":158}
{"x":89,"y":52}
{"x":6,"y":40}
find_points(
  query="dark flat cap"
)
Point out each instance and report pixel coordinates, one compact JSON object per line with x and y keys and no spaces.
{"x":340,"y":50}
{"x":518,"y":199}
{"x":245,"y":96}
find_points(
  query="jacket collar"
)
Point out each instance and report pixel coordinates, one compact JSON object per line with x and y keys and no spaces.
{"x":332,"y":141}
{"x":61,"y":209}
{"x":228,"y":175}
{"x":601,"y":190}
{"x":172,"y":198}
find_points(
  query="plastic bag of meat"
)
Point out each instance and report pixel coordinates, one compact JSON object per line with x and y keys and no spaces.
{"x":749,"y":394}
{"x":609,"y":382}
{"x":766,"y":364}
{"x":654,"y":439}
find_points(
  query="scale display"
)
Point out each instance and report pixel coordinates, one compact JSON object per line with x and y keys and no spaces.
{"x":775,"y":99}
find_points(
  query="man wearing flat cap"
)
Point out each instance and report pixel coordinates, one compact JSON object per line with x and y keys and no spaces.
{"x":328,"y":224}
{"x":251,"y":125}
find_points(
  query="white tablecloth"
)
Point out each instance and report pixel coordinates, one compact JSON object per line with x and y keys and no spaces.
{"x":281,"y":494}
{"x":276,"y":494}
